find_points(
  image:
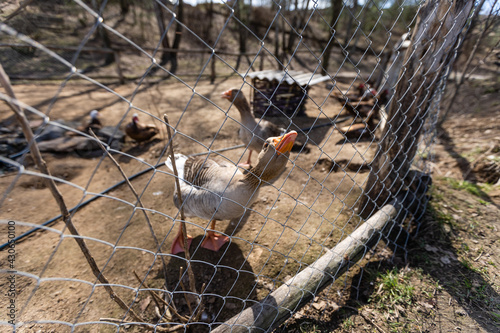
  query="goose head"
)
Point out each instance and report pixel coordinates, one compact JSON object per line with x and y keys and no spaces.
{"x":236,"y":97}
{"x":274,"y":156}
{"x":232,"y":95}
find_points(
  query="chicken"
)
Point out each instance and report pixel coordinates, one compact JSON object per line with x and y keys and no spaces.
{"x":364,"y":106}
{"x":218,"y":190}
{"x":93,"y":124}
{"x":253,"y":131}
{"x":364,"y":93}
{"x":140,"y":132}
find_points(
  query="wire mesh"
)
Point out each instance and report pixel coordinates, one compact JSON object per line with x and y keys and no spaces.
{"x":288,"y":225}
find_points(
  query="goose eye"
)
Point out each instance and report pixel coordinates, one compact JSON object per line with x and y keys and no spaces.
{"x":266,"y":144}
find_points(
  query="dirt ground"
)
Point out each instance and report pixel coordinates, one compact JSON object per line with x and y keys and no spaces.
{"x":307,"y":209}
{"x":268,"y":246}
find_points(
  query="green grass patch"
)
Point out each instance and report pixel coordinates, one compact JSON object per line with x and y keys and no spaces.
{"x":464,"y":185}
{"x":392,"y":288}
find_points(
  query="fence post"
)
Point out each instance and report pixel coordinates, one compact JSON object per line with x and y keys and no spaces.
{"x":434,"y":38}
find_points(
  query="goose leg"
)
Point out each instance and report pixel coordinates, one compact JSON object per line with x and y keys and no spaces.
{"x":214,"y":241}
{"x":178,"y":243}
{"x":247,"y":164}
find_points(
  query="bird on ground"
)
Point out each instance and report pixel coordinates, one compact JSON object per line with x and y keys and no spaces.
{"x":364,"y":93}
{"x":140,"y":132}
{"x":93,"y":124}
{"x":253,"y":131}
{"x":219,"y":190}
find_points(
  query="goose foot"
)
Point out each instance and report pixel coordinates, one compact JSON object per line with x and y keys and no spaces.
{"x":178,"y":244}
{"x":245,"y":165}
{"x":214,"y":241}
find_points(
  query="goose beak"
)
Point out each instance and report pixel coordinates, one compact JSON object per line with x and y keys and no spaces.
{"x":226,"y":94}
{"x":285,"y":142}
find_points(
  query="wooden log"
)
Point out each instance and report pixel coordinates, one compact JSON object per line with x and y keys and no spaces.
{"x":296,"y":292}
{"x":434,"y":40}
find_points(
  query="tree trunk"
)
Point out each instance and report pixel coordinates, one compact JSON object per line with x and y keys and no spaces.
{"x":178,"y":36}
{"x":348,"y":30}
{"x":439,"y":23}
{"x":103,"y":34}
{"x":208,"y":38}
{"x":336,"y":6}
{"x":277,"y":40}
{"x":241,"y":14}
{"x":169,"y":56}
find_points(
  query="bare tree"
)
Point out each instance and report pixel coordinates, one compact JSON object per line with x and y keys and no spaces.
{"x":169,"y":54}
{"x":298,"y":20}
{"x":350,"y":19}
{"x":242,"y":12}
{"x":336,"y":7}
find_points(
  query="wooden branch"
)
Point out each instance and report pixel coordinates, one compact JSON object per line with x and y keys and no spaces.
{"x":50,"y":183}
{"x":192,"y":284}
{"x":296,"y":292}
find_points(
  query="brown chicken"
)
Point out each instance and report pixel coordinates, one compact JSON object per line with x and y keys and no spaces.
{"x":140,"y":132}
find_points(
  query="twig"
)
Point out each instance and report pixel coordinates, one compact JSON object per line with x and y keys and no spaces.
{"x":192,"y":284}
{"x":188,"y":301}
{"x":158,"y":245}
{"x":202,"y":306}
{"x":42,"y":166}
{"x":158,"y":298}
{"x":163,"y":329}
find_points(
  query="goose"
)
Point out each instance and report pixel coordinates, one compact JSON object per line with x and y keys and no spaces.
{"x":253,"y":131}
{"x":140,"y":132}
{"x":219,"y":190}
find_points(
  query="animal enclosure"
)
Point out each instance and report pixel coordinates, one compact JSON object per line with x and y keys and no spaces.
{"x":99,"y":258}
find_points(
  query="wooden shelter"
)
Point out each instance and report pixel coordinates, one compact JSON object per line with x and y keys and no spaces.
{"x":282,"y":92}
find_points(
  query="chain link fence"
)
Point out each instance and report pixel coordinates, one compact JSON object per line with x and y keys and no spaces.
{"x":89,"y":221}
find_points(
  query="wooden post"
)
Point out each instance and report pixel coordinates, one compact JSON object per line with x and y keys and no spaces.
{"x":296,"y":292}
{"x":434,"y":40}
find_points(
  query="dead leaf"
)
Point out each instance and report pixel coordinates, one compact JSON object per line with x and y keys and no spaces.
{"x":143,"y":305}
